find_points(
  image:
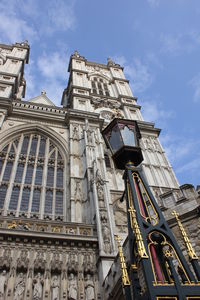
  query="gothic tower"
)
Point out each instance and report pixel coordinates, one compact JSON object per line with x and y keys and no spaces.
{"x":59,"y":188}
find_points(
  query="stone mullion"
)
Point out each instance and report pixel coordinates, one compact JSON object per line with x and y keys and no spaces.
{"x":64,"y":191}
{"x":31,"y":189}
{"x":34,"y":172}
{"x":5,"y":162}
{"x":12,"y":176}
{"x":71,"y":155}
{"x":3,"y":168}
{"x":44,"y":179}
{"x":23,"y":178}
{"x":54,"y":184}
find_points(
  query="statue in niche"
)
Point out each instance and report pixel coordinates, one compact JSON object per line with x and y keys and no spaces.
{"x":100,"y":194}
{"x":99,"y":178}
{"x":19,"y":287}
{"x":37,"y":290}
{"x":75,"y":134}
{"x":3,"y":284}
{"x":23,"y":260}
{"x":89,"y":288}
{"x":55,"y":288}
{"x":72,"y":287}
{"x":106,"y":237}
{"x":88,"y":265}
{"x":89,"y":136}
{"x":78,"y":193}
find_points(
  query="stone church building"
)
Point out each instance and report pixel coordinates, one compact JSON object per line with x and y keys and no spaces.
{"x":59,"y":188}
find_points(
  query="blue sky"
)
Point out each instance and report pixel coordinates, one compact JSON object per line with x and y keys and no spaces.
{"x":157,"y":41}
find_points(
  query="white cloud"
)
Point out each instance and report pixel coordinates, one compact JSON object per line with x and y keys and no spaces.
{"x":20,"y":20}
{"x":137,"y":72}
{"x":53,"y":65}
{"x":152,"y":111}
{"x":140,"y":75}
{"x":179,"y":43}
{"x":61,"y":14}
{"x":191,"y":166}
{"x":13,"y":25}
{"x":31,"y":83}
{"x":195,"y":83}
{"x":15,"y":29}
{"x":183,"y":153}
{"x":54,"y":76}
{"x":179,"y":148}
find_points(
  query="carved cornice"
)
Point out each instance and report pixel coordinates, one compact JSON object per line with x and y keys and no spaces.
{"x":98,"y":102}
{"x":148,"y":127}
{"x":28,"y":237}
{"x":27,"y":109}
{"x":75,"y":114}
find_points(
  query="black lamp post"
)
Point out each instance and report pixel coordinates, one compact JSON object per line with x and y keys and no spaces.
{"x":158,"y":268}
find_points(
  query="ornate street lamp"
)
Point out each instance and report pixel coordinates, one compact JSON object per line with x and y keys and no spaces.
{"x":122,"y":137}
{"x":158,"y":267}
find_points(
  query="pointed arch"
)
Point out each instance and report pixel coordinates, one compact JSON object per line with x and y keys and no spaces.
{"x":11,"y":133}
{"x":34,"y":162}
{"x":100,"y":84}
{"x":103,"y":76}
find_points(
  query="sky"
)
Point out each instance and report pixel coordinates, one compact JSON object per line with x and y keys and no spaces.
{"x":157,"y":42}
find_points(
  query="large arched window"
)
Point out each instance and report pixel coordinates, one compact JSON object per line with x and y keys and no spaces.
{"x":32,"y":177}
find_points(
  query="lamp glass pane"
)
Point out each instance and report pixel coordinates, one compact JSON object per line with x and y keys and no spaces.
{"x":128,"y":135}
{"x":114,"y":139}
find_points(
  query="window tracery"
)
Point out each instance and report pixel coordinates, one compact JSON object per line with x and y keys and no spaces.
{"x":31,"y":177}
{"x":99,"y":86}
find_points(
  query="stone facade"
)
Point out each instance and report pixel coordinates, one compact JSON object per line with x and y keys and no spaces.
{"x":59,"y":188}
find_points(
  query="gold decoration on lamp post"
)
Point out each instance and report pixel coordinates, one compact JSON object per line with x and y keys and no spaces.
{"x":139,"y":241}
{"x":190,"y":250}
{"x":125,"y":277}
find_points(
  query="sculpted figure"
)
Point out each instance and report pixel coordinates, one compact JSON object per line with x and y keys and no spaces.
{"x":106,"y":237}
{"x":75,"y":134}
{"x":72,"y":287}
{"x":89,"y":288}
{"x":3,"y":283}
{"x":37,"y":290}
{"x":55,"y":288}
{"x":19,"y":287}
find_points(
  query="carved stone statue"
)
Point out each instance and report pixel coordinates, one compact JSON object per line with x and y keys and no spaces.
{"x":78,"y":192}
{"x":19,"y":287}
{"x":100,"y":193}
{"x":37,"y":290}
{"x":75,"y":133}
{"x":55,"y":288}
{"x":89,"y":288}
{"x":3,"y":283}
{"x":89,"y":136}
{"x":106,"y":237}
{"x":72,"y":287}
{"x":99,"y":178}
